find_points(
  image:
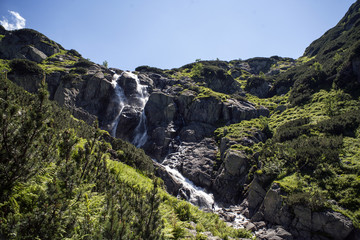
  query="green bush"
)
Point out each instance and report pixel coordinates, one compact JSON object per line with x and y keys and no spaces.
{"x":314,"y":200}
{"x":149,"y":69}
{"x":183,"y":211}
{"x":25,"y":67}
{"x":344,"y":124}
{"x":292,"y":130}
{"x":84,"y":63}
{"x":74,"y":53}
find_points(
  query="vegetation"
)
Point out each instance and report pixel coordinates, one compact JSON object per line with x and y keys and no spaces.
{"x":25,"y":67}
{"x":61,"y":179}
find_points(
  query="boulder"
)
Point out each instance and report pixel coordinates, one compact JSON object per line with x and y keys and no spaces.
{"x":128,"y":83}
{"x":231,"y":177}
{"x":274,"y":208}
{"x":128,"y":121}
{"x":236,"y":163}
{"x":204,"y":110}
{"x":255,"y":195}
{"x":35,"y":54}
{"x":331,"y":223}
{"x":224,"y":84}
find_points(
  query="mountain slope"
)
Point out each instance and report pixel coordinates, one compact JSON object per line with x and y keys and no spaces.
{"x":276,"y":136}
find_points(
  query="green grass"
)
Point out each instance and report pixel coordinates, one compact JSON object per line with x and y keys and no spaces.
{"x":270,"y":103}
{"x":170,"y":206}
{"x":204,"y":92}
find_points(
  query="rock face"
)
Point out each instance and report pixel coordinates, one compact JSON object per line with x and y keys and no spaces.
{"x":84,"y":95}
{"x":300,"y":221}
{"x":27,"y":44}
{"x":179,"y":125}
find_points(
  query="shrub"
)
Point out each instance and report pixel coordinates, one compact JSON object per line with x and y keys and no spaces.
{"x":25,"y":67}
{"x":183,"y":211}
{"x":292,"y":130}
{"x":149,"y":69}
{"x":314,"y":200}
{"x":80,"y":70}
{"x":344,"y":124}
{"x":83,"y":63}
{"x":74,"y":53}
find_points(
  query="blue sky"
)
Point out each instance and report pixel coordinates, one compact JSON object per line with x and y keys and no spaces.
{"x":172,"y":33}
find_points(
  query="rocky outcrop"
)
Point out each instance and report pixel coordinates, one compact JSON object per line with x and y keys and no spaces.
{"x":232,"y":176}
{"x":299,"y":220}
{"x":85,"y":95}
{"x":27,"y":44}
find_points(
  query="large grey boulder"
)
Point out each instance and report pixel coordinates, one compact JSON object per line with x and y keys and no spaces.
{"x":255,"y":195}
{"x":331,"y":223}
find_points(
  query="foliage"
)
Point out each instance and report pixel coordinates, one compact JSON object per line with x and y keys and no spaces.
{"x":25,"y":67}
{"x":196,"y":70}
{"x":59,"y":180}
{"x":149,"y":69}
{"x":83,"y":63}
{"x":74,"y":53}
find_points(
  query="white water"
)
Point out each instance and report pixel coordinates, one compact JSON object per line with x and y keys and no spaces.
{"x":140,"y":132}
{"x":194,"y":194}
{"x":119,"y":102}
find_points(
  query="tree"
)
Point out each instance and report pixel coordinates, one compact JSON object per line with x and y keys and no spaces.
{"x":27,"y":140}
{"x":105,"y":64}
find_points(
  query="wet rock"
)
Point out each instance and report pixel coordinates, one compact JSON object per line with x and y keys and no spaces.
{"x":129,"y":119}
{"x":172,"y":185}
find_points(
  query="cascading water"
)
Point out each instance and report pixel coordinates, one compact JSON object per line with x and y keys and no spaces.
{"x":194,"y":194}
{"x":118,"y":103}
{"x":140,"y":132}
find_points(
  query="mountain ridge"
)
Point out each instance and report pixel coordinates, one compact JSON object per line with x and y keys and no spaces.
{"x":247,"y":130}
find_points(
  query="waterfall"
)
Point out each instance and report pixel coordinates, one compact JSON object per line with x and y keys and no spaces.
{"x":193,"y":194}
{"x":118,"y":103}
{"x":140,"y":132}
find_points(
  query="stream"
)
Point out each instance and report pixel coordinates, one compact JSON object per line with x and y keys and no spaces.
{"x":189,"y":191}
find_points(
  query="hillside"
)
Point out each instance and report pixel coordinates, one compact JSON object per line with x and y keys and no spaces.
{"x":275,"y":139}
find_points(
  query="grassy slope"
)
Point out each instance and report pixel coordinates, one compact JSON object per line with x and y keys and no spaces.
{"x":19,"y":203}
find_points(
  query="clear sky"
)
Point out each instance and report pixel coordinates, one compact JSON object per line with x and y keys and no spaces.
{"x":172,"y":33}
